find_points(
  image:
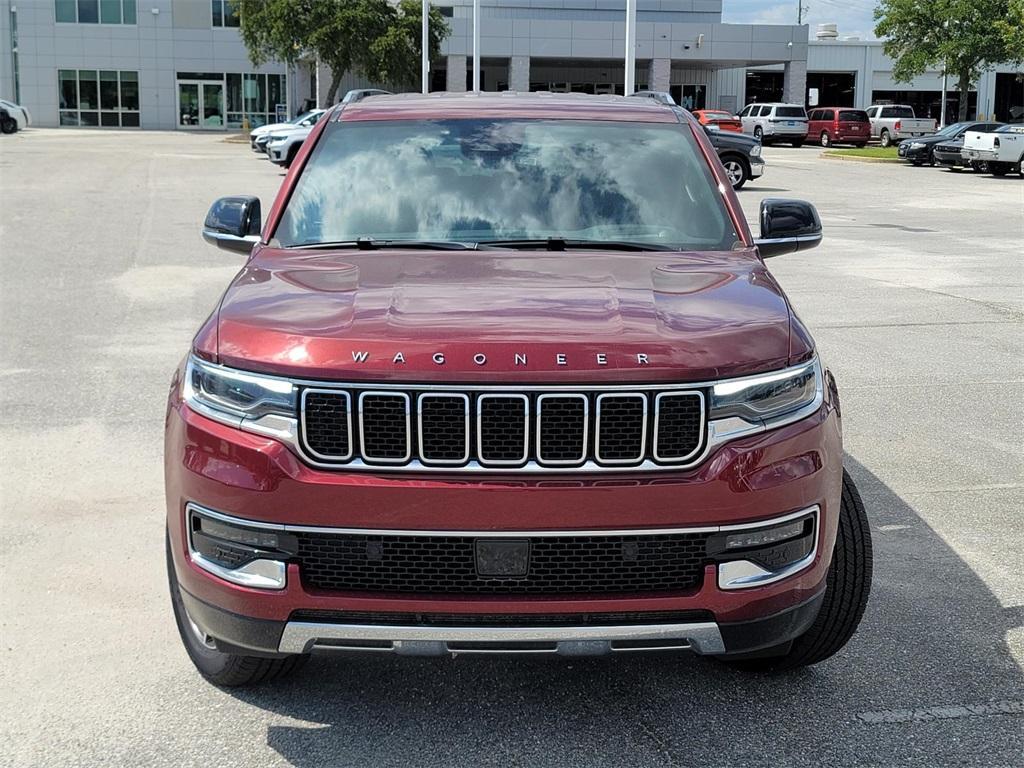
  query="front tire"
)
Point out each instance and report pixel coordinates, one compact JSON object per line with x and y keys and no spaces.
{"x":736,"y":170}
{"x":224,"y":669}
{"x":999,"y":169}
{"x":826,"y":140}
{"x":759,"y":134}
{"x":885,"y":139}
{"x":847,"y":587}
{"x":8,"y":125}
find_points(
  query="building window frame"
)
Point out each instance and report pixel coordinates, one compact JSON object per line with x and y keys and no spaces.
{"x":127,"y":12}
{"x":225,"y":14}
{"x":100,"y":111}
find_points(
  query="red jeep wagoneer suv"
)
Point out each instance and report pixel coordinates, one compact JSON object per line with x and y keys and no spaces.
{"x":507,"y":373}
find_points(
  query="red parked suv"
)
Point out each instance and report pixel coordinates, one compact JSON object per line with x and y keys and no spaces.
{"x":838,"y":125}
{"x":507,"y":373}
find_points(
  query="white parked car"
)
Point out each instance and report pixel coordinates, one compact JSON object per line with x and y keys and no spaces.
{"x":13,"y":117}
{"x":258,"y":136}
{"x":891,"y":122}
{"x":999,"y":152}
{"x":775,"y":122}
{"x":284,"y":144}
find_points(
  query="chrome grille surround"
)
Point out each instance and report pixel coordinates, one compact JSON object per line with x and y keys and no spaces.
{"x":500,"y":449}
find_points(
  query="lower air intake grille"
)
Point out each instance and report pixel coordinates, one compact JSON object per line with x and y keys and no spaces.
{"x":562,"y":565}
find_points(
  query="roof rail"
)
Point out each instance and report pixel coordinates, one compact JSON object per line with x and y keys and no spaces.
{"x":662,"y":97}
{"x":358,"y":94}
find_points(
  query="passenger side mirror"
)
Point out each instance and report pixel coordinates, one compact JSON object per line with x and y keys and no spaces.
{"x":787,"y":226}
{"x":234,"y":223}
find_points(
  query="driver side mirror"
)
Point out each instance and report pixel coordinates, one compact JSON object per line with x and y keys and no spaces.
{"x":787,"y":226}
{"x":234,"y":223}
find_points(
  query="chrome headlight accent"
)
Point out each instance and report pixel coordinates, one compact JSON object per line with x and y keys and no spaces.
{"x":765,"y":398}
{"x":237,"y":395}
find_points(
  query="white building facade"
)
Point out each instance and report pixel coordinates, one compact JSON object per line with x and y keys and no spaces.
{"x":181,"y":64}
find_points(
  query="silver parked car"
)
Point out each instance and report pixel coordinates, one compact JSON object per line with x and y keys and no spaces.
{"x":775,"y":122}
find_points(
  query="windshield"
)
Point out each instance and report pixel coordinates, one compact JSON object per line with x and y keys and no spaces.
{"x":488,"y":180}
{"x":955,"y":128}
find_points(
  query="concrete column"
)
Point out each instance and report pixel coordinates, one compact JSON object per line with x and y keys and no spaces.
{"x":660,"y":74}
{"x":456,"y":77}
{"x":794,"y":82}
{"x":519,"y":73}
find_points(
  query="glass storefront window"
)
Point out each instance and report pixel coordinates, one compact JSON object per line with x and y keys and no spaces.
{"x":248,"y":96}
{"x":108,"y":90}
{"x":107,"y":98}
{"x":88,"y":90}
{"x":130,"y":11}
{"x":88,"y":11}
{"x":66,"y":12}
{"x":130,"y":91}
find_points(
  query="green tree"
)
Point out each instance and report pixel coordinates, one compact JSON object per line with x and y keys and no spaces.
{"x":961,"y":37}
{"x":1012,"y":30}
{"x":371,"y":38}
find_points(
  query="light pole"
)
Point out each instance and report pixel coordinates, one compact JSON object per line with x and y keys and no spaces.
{"x":476,"y":45}
{"x":630,"y":62}
{"x":425,"y":63}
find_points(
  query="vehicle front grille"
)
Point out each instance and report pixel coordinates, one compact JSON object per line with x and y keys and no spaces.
{"x":364,"y":428}
{"x":557,"y":565}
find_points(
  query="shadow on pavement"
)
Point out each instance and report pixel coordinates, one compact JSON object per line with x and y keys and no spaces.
{"x":933,"y":637}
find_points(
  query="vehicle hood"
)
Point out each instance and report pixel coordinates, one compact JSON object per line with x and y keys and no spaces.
{"x":727,"y":139}
{"x":291,"y":130}
{"x":511,"y":315}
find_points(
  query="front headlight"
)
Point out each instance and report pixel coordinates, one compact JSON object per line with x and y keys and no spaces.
{"x":917,"y":145}
{"x":236,"y":394}
{"x":765,"y":398}
{"x":755,"y":151}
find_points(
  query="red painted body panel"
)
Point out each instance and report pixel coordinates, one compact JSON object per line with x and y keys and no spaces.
{"x":696,"y":316}
{"x":258,"y":478}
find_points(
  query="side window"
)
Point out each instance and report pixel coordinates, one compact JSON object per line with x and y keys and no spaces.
{"x":745,"y":112}
{"x":814,"y":115}
{"x":829,"y":114}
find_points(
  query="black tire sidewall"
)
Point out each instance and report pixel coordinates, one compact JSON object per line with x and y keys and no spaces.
{"x":209,"y":661}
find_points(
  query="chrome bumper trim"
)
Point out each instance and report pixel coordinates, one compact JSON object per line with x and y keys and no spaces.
{"x":304,"y":637}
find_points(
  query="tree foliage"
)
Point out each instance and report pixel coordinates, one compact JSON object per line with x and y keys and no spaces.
{"x":962,"y":37}
{"x":375,"y":39}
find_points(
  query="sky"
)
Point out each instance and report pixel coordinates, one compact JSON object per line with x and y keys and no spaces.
{"x":854,"y":17}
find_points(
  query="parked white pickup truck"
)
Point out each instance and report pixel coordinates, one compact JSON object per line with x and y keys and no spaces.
{"x":999,"y":152}
{"x":892,"y":122}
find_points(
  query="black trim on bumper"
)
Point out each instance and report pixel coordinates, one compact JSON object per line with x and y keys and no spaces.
{"x":745,"y":637}
{"x":235,"y":633}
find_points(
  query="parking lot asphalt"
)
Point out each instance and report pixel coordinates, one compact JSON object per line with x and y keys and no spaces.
{"x":916,"y":300}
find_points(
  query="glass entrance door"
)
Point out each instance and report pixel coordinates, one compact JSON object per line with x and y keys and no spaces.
{"x":201,"y":104}
{"x":213,"y":105}
{"x":188,"y":105}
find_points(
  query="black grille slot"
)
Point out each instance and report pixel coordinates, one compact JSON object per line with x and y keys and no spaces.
{"x":444,"y":425}
{"x":563,"y":565}
{"x":621,"y":427}
{"x":679,"y":418}
{"x":562,"y":429}
{"x":502,"y":425}
{"x":327,"y":424}
{"x":503,"y":619}
{"x":384,"y":426}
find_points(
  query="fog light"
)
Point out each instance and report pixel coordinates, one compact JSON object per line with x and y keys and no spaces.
{"x":760,"y":538}
{"x":249,"y":556}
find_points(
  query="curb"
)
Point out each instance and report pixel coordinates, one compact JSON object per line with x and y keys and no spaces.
{"x":856,"y":159}
{"x":236,"y":139}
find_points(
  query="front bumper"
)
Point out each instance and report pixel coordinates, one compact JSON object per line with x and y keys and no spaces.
{"x":756,"y":167}
{"x":741,"y":483}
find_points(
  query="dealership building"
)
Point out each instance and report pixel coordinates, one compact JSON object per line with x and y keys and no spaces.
{"x":181,"y":64}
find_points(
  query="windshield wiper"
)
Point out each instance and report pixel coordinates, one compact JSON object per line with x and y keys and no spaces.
{"x":564,"y":244}
{"x":369,"y":244}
